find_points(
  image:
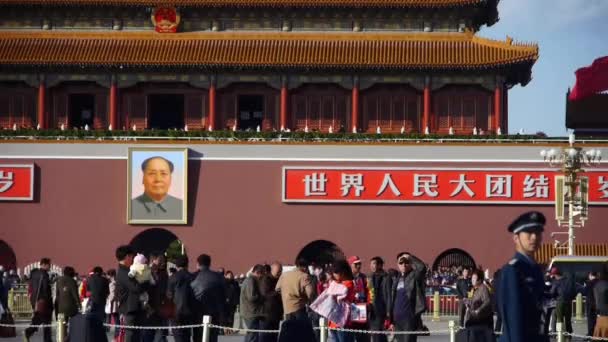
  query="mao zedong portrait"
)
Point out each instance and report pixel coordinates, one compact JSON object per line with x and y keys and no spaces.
{"x":156,"y":203}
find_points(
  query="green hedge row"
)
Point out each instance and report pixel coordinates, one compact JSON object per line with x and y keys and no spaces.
{"x":245,"y":135}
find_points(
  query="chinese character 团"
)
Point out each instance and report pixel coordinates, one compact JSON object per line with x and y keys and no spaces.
{"x":498,"y":186}
{"x":604,"y":186}
{"x":314,"y":185}
{"x":462,"y":185}
{"x":388,"y":182}
{"x":536,"y":187}
{"x":425,"y":184}
{"x":6,"y":181}
{"x":352,"y":181}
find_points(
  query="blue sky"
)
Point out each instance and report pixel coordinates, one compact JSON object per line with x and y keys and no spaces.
{"x":570,"y":35}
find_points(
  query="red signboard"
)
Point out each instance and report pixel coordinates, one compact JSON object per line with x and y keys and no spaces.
{"x":16,"y":182}
{"x":431,"y":185}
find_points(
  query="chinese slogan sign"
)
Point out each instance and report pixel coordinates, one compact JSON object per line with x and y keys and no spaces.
{"x":16,"y":182}
{"x":404,"y":185}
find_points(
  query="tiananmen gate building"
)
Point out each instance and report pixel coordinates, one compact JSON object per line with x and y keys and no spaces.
{"x":367,"y":67}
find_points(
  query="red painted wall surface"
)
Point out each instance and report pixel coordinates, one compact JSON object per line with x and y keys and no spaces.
{"x":238,"y":218}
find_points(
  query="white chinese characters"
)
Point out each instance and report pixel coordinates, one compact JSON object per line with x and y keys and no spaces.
{"x":314,"y":184}
{"x":6,"y":181}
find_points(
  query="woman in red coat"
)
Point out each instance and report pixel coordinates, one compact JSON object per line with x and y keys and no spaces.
{"x":342,"y":274}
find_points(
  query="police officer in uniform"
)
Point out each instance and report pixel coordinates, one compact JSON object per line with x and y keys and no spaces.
{"x":520,"y":299}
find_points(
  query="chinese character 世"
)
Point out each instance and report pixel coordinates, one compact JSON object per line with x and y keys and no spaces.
{"x":352,"y":181}
{"x":604,"y":186}
{"x":425,"y":184}
{"x":462,"y":185}
{"x":536,"y":187}
{"x":314,"y":185}
{"x":6,"y":181}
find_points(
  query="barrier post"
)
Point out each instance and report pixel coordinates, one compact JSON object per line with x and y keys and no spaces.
{"x":60,"y":328}
{"x":452,"y":330}
{"x":579,"y":307}
{"x":206,"y":328}
{"x":11,"y":300}
{"x":323,"y":329}
{"x":436,"y":306}
{"x":559,"y":331}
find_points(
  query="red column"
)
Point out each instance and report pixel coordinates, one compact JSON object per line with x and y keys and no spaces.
{"x":211,"y":123}
{"x":41,"y":107}
{"x":113,"y":107}
{"x":497,"y":107}
{"x":355,"y":108}
{"x":427,"y":107}
{"x":284,"y":97}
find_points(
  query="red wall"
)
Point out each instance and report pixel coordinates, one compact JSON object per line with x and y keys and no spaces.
{"x":238,"y":218}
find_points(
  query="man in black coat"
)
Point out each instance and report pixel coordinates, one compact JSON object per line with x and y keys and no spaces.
{"x":99,"y":287}
{"x":407,"y":299}
{"x":233,"y":297}
{"x":128,"y":292}
{"x":209,"y":290}
{"x":591,"y":309}
{"x":158,"y":296}
{"x":273,"y":307}
{"x":180,"y":292}
{"x":463,"y":286}
{"x":380,"y":285}
{"x":41,"y":300}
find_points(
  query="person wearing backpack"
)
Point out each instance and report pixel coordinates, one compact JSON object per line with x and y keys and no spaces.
{"x":180,"y":292}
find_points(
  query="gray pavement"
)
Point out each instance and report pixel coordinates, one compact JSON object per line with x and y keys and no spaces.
{"x":579,"y":328}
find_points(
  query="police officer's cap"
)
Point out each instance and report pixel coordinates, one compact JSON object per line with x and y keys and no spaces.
{"x":532,"y":221}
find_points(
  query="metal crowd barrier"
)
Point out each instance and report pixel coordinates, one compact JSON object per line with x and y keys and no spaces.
{"x":19,"y":302}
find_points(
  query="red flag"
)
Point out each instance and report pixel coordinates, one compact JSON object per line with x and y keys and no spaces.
{"x":591,"y":80}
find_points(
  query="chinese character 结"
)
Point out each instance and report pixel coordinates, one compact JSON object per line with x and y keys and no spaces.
{"x":6,"y":181}
{"x":536,"y":187}
{"x":352,"y":181}
{"x":314,"y":184}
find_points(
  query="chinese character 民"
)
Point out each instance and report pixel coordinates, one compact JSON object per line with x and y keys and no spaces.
{"x":425,"y":184}
{"x":498,"y":186}
{"x":388,"y":182}
{"x":352,"y":181}
{"x":536,"y":187}
{"x":604,"y":186}
{"x":6,"y":181}
{"x":462,"y":185}
{"x":314,"y":185}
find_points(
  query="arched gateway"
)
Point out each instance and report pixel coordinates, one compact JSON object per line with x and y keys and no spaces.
{"x":153,"y":240}
{"x":8,"y":259}
{"x":321,"y":252}
{"x":454,"y":257}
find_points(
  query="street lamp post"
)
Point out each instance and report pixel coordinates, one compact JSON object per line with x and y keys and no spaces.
{"x":572,"y":159}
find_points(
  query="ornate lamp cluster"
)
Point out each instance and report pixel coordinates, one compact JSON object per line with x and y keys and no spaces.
{"x":571,"y":158}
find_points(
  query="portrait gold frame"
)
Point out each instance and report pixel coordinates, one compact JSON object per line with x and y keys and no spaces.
{"x":184,"y":219}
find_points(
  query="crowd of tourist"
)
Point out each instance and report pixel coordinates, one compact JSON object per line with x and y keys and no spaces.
{"x":146,"y":292}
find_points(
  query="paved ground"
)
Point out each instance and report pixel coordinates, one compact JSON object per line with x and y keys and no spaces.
{"x":579,"y":328}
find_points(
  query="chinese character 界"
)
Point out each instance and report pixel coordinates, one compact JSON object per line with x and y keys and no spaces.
{"x":536,"y":187}
{"x":388,"y":182}
{"x":498,"y":186}
{"x":462,"y":185}
{"x":6,"y":181}
{"x":425,"y":184}
{"x":604,"y":187}
{"x":314,"y":185}
{"x":352,"y":181}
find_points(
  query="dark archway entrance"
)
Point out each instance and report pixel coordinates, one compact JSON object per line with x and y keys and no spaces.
{"x":8,"y":259}
{"x":166,"y":111}
{"x":154,"y":240}
{"x":251,"y":111}
{"x":321,"y":252}
{"x":82,"y":109}
{"x":454,"y":257}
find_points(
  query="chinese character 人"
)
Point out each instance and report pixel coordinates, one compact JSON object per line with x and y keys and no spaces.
{"x":386,"y":183}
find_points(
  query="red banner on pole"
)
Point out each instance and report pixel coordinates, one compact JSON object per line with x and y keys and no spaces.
{"x":430,"y":185}
{"x":16,"y":182}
